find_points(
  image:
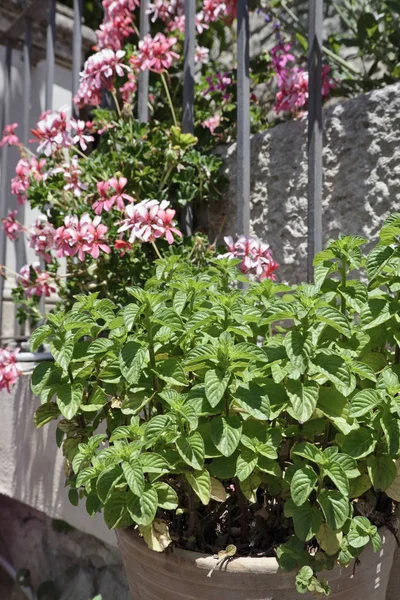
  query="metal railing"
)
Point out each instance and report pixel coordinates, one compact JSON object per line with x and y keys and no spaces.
{"x":39,"y":10}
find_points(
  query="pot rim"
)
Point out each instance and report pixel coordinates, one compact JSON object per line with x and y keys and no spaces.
{"x":242,"y":564}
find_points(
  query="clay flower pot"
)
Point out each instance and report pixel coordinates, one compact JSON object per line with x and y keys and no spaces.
{"x":182,"y":575}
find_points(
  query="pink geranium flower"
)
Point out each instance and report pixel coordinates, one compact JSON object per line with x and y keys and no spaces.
{"x":149,"y":220}
{"x":155,"y":53}
{"x":212,"y":123}
{"x":53,"y":131}
{"x":35,"y":281}
{"x":256,"y":256}
{"x":41,"y":238}
{"x":81,"y":135}
{"x":11,"y":226}
{"x":9,"y":371}
{"x":9,"y":137}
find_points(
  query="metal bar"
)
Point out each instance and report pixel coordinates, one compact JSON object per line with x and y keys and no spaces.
{"x":188,"y":93}
{"x":50,"y":53}
{"x":4,"y":166}
{"x":76,"y":52}
{"x":143,"y":86}
{"x":315,"y":132}
{"x":20,"y":253}
{"x":243,"y":119}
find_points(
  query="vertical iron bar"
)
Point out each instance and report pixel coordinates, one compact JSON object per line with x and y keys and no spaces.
{"x":50,"y":54}
{"x":4,"y":166}
{"x":243,"y":119}
{"x":76,"y":52}
{"x":315,"y":131}
{"x":143,"y":92}
{"x":188,"y":93}
{"x":26,"y":102}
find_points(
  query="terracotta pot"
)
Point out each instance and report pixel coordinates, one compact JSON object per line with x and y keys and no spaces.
{"x":182,"y":575}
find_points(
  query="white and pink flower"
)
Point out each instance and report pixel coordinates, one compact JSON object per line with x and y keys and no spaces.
{"x":256,"y":256}
{"x":156,"y":53}
{"x":9,"y":135}
{"x":9,"y":371}
{"x":35,"y":282}
{"x":41,"y":238}
{"x":149,"y":220}
{"x":12,"y":227}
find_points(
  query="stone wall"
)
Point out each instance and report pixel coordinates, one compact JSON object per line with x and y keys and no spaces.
{"x":361,"y":178}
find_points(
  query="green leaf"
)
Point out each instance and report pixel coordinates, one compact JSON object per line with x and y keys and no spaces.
{"x":329,"y":540}
{"x":143,"y":508}
{"x":41,"y":375}
{"x":68,"y":399}
{"x":302,"y":484}
{"x":201,"y":484}
{"x":359,"y":486}
{"x":382,"y":472}
{"x":132,"y":359}
{"x":364,"y":401}
{"x":107,"y":481}
{"x":97,"y":399}
{"x":171,"y":371}
{"x":375,"y":312}
{"x":62,"y":349}
{"x":38,"y":336}
{"x":45,"y":413}
{"x":306,"y":520}
{"x":334,"y":318}
{"x":156,"y":427}
{"x":100,"y":346}
{"x":131,"y":311}
{"x":191,"y":449}
{"x":298,"y":348}
{"x":292,"y":554}
{"x":253,"y":400}
{"x":309,"y":451}
{"x":226,"y":433}
{"x":115,"y":512}
{"x":303,"y":579}
{"x":336,"y":474}
{"x":224,"y":468}
{"x":153,"y":463}
{"x":179,"y":301}
{"x":303,"y":398}
{"x":246,"y":463}
{"x":134,"y":476}
{"x":348,"y":464}
{"x":167,"y":497}
{"x":336,"y":508}
{"x":216,"y":382}
{"x":358,"y":536}
{"x":335,"y":369}
{"x":359,"y":443}
{"x":267,"y":465}
{"x":391,"y":429}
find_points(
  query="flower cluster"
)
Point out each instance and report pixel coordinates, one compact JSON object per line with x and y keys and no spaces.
{"x":292,"y":81}
{"x":111,"y":192}
{"x":24,"y":170}
{"x":71,"y":173}
{"x":81,"y":236}
{"x":99,"y":72}
{"x":34,"y":281}
{"x":11,"y":226}
{"x":217,"y":9}
{"x":156,"y":53}
{"x":117,"y":23}
{"x":149,"y":220}
{"x":255,"y":255}
{"x":9,"y":135}
{"x":212,"y":123}
{"x":9,"y":371}
{"x":41,"y":238}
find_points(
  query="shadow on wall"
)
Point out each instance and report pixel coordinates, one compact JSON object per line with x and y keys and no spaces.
{"x":361,"y":178}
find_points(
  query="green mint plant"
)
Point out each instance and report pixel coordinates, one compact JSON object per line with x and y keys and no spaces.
{"x":211,"y":417}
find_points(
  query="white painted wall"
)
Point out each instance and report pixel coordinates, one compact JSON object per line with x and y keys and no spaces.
{"x":32,"y":467}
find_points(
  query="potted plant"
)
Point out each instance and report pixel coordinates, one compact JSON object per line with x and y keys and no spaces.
{"x":243,"y":443}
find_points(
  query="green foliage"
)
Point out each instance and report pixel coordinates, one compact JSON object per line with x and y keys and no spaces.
{"x":275,"y":400}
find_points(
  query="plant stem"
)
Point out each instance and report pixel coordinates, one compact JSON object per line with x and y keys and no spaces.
{"x":169,"y":99}
{"x":156,"y":250}
{"x":343,"y":278}
{"x":117,"y":108}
